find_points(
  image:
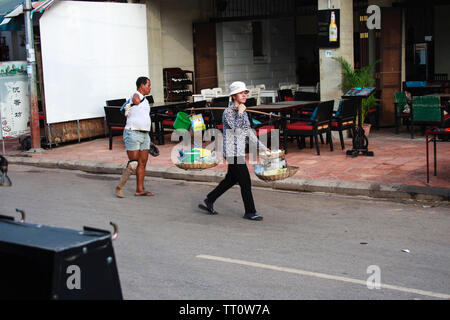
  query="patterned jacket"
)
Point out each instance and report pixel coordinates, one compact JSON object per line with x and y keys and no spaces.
{"x":236,"y":131}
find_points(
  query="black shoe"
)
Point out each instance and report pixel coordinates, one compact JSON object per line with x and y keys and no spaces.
{"x":207,"y":207}
{"x":252,"y":216}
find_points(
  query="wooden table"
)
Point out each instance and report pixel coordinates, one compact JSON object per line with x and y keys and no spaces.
{"x":283,"y":106}
{"x":434,"y":132}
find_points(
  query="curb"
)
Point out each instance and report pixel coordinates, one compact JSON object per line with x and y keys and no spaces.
{"x":369,"y":189}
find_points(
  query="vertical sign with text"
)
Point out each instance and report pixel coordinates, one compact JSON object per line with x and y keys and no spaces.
{"x":14,"y":99}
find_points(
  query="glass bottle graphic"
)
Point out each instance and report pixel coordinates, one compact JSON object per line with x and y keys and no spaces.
{"x":333,"y":28}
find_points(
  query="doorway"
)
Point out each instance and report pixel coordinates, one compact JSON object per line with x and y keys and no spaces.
{"x":205,"y":55}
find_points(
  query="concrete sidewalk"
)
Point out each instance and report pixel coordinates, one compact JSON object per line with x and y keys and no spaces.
{"x":398,"y":169}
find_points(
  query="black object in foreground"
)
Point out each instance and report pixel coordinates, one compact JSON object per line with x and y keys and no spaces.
{"x":46,"y":263}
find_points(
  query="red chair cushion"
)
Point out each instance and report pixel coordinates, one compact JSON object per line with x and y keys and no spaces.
{"x":288,"y":98}
{"x":117,"y":128}
{"x":447,"y":116}
{"x":267,"y":128}
{"x":168,"y":122}
{"x":299,"y":126}
{"x":220,"y":126}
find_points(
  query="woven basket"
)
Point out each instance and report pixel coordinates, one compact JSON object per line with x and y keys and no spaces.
{"x":197,"y":166}
{"x":274,"y":156}
{"x":291,"y":170}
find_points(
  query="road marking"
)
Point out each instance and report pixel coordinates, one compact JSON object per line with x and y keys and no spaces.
{"x":323,"y":276}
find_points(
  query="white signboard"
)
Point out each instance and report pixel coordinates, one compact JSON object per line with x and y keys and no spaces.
{"x":14,"y":100}
{"x":91,"y":52}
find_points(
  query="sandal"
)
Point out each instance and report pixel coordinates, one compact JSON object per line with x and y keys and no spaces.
{"x":144,"y":194}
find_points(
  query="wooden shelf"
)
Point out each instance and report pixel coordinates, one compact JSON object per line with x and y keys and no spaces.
{"x":178,"y":84}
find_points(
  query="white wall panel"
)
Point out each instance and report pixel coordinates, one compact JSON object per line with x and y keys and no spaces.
{"x":91,"y":52}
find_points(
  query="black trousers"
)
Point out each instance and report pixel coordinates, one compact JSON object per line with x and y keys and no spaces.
{"x":237,"y":173}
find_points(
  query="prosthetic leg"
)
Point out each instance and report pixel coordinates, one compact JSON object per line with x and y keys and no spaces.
{"x":4,"y":179}
{"x":127,"y":172}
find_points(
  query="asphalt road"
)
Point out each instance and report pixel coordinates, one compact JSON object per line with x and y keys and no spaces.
{"x":309,"y":246}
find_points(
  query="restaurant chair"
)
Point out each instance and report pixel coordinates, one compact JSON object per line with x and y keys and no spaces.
{"x":115,"y":102}
{"x":373,"y":117}
{"x":263,"y":125}
{"x":255,"y":93}
{"x":417,"y":88}
{"x":306,"y":96}
{"x":285,"y":95}
{"x":400,"y":102}
{"x":251,"y":102}
{"x":373,"y":114}
{"x":426,"y":111}
{"x":208,"y":94}
{"x":319,"y":122}
{"x":115,"y":121}
{"x":150,"y":99}
{"x":217,"y":91}
{"x":344,"y":118}
{"x":165,"y":119}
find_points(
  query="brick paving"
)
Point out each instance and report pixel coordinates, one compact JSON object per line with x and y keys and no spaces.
{"x":398,"y":159}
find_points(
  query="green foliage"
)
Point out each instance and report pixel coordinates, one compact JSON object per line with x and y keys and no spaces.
{"x":358,"y":78}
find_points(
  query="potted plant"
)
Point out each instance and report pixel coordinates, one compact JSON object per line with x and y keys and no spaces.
{"x":352,"y":78}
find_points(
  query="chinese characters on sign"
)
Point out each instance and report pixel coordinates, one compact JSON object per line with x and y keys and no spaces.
{"x":14,"y":100}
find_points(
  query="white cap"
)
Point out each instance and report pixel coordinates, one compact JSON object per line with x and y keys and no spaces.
{"x":237,"y":86}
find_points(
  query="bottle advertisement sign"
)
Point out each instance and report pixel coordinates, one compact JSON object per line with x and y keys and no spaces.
{"x":14,"y":99}
{"x":328,"y":28}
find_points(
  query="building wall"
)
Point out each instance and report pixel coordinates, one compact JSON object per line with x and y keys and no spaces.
{"x":154,"y":43}
{"x":177,"y":40}
{"x":235,"y":53}
{"x":330,"y":70}
{"x":170,"y":40}
{"x":442,"y":39}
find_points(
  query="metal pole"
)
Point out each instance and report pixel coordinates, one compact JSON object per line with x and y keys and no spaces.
{"x":1,"y":134}
{"x":78,"y":128}
{"x":49,"y":136}
{"x":31,"y":71}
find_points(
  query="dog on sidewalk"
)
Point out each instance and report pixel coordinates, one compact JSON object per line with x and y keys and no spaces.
{"x":4,"y":179}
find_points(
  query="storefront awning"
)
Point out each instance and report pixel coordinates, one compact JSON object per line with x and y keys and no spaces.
{"x":10,"y":9}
